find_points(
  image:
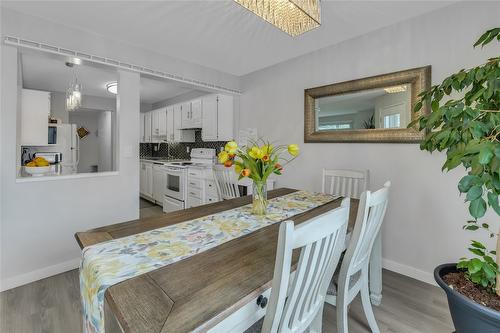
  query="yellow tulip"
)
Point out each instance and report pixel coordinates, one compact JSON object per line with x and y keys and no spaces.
{"x":293,"y":149}
{"x":237,"y":168}
{"x":223,"y":157}
{"x":231,"y":147}
{"x":267,"y":149}
{"x":256,"y":153}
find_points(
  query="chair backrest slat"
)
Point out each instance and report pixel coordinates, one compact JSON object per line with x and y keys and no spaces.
{"x":295,"y":304}
{"x":368,"y":223}
{"x":345,"y":183}
{"x":227,"y":182}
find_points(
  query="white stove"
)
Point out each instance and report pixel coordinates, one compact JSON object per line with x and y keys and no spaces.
{"x":176,"y":177}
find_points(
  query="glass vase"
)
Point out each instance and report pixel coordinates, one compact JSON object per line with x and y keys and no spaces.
{"x":259,"y":199}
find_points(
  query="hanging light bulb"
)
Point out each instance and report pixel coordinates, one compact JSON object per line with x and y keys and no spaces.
{"x":73,"y":93}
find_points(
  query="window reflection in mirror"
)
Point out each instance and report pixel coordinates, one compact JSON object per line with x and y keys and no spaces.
{"x":386,"y":108}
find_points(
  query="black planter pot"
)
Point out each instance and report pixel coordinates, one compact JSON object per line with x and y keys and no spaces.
{"x":468,"y":316}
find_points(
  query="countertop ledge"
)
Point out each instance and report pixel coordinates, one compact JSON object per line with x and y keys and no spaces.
{"x":67,"y":176}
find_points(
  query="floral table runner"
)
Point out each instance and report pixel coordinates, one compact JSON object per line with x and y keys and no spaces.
{"x":114,"y":261}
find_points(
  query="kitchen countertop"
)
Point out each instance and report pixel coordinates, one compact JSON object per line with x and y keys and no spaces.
{"x":58,"y":172}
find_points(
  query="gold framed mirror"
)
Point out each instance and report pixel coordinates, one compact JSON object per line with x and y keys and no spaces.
{"x":372,"y":109}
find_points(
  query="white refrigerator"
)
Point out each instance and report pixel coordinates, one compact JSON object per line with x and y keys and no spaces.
{"x":68,"y":143}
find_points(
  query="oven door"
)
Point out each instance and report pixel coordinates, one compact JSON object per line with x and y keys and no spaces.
{"x":175,"y":183}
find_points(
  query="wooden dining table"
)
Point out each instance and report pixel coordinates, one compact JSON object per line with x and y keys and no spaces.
{"x":211,"y":291}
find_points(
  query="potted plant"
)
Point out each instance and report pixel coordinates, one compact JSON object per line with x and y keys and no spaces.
{"x":464,"y":122}
{"x":257,"y":161}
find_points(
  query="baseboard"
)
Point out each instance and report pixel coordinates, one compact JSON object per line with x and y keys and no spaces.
{"x":74,"y":263}
{"x":409,"y":271}
{"x":38,"y":274}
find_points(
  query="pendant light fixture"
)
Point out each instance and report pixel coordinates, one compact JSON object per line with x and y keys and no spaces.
{"x":292,"y":16}
{"x":74,"y":92}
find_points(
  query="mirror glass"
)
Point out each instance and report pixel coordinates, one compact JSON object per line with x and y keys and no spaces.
{"x":381,"y":108}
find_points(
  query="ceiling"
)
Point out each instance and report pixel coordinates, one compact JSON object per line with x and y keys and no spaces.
{"x":220,"y":34}
{"x":49,"y":73}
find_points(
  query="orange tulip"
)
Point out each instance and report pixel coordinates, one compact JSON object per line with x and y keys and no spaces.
{"x":228,"y":163}
{"x":278,"y":166}
{"x":245,"y":172}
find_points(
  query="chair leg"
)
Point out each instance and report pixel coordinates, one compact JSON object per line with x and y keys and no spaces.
{"x":367,"y":306}
{"x":342,"y":315}
{"x":317,"y":322}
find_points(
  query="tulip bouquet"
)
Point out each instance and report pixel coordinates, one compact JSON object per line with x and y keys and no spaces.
{"x":257,"y":161}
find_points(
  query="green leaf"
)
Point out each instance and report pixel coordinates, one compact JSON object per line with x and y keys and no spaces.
{"x":474,"y":266}
{"x":485,"y":155}
{"x":477,"y":252}
{"x":493,"y":202}
{"x":478,"y":245}
{"x":489,"y":272}
{"x":467,"y":182}
{"x":477,"y":208}
{"x":417,"y":106}
{"x":474,"y":192}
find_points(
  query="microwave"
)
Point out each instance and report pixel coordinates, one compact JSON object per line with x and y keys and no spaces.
{"x":52,"y":140}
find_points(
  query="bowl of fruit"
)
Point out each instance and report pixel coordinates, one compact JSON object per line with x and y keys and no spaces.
{"x":37,"y":167}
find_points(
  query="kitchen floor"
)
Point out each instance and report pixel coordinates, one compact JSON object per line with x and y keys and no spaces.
{"x":149,"y":209}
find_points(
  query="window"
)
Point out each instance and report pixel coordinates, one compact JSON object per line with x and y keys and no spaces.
{"x":392,"y":121}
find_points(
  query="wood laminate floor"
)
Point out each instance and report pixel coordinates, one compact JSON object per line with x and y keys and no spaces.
{"x":52,"y":305}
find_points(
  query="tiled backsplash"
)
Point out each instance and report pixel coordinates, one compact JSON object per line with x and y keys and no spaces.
{"x":177,"y":150}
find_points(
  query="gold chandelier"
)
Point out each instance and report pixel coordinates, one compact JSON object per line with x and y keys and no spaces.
{"x":292,"y":16}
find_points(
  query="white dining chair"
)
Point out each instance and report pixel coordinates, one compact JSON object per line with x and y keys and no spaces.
{"x":297,"y":303}
{"x":345,"y":183}
{"x":353,"y":276}
{"x":226,"y":181}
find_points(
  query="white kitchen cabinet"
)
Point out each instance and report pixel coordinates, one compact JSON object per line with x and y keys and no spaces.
{"x":191,"y":114}
{"x":159,"y":183}
{"x":170,"y":124}
{"x":147,"y":127}
{"x":142,"y":178}
{"x":201,"y":188}
{"x":148,"y":189}
{"x":209,"y":118}
{"x":225,"y":117}
{"x":181,"y":135}
{"x":146,"y":180}
{"x":196,"y":112}
{"x":217,"y":118}
{"x":35,"y":112}
{"x":186,"y":115}
{"x":142,"y":137}
{"x":158,"y":124}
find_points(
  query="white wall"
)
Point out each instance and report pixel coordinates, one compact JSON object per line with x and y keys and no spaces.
{"x":39,"y":219}
{"x":425,"y":215}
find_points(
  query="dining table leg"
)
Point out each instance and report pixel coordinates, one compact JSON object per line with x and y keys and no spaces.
{"x":376,"y":271}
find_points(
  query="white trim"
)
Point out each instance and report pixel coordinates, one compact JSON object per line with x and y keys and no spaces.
{"x":16,"y":41}
{"x":409,"y":271}
{"x":39,"y":274}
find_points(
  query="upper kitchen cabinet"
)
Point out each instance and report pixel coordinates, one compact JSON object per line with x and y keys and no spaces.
{"x":217,"y":118}
{"x":147,"y":127}
{"x":142,"y":135}
{"x":159,"y":124}
{"x":181,"y":135}
{"x":35,"y":111}
{"x":170,"y":124}
{"x":191,"y":114}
